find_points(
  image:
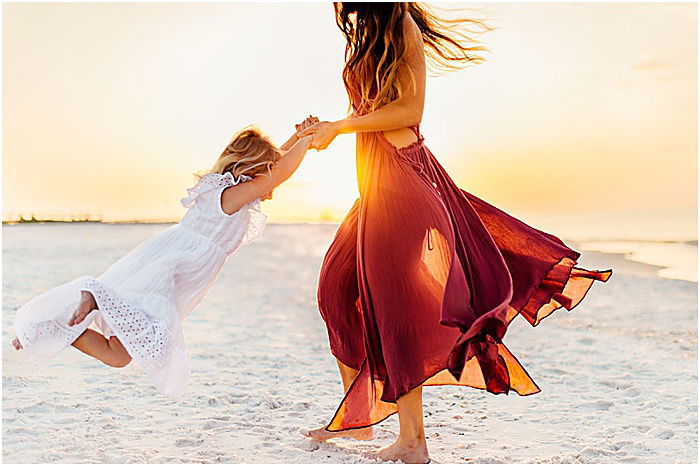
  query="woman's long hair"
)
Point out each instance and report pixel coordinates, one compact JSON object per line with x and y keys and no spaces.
{"x":376,"y":47}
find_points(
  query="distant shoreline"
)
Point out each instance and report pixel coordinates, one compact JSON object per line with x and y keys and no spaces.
{"x":156,"y":222}
{"x":692,"y":242}
{"x":107,"y":222}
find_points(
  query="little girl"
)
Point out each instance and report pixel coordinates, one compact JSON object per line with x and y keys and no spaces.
{"x":136,"y":307}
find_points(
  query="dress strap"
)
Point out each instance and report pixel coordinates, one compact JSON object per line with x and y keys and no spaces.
{"x":416,"y":129}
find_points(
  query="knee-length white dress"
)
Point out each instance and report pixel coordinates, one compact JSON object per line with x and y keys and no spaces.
{"x":145,"y":295}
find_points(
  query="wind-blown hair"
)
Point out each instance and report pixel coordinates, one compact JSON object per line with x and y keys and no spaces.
{"x":376,"y":46}
{"x":250,"y":152}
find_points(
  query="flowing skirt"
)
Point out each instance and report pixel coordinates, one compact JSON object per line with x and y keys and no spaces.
{"x":422,"y":280}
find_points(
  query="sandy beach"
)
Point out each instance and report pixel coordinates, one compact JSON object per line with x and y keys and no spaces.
{"x":618,"y":374}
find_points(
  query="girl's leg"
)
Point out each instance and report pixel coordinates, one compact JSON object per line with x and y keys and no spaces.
{"x":348,"y":375}
{"x":410,"y":446}
{"x":108,"y":350}
{"x":87,"y":305}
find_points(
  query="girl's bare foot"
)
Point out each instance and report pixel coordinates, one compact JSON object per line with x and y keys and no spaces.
{"x":412,"y":451}
{"x":321,"y":435}
{"x":17,"y":344}
{"x":87,"y":305}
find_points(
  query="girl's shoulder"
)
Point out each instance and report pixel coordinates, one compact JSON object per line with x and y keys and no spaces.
{"x":211,"y":182}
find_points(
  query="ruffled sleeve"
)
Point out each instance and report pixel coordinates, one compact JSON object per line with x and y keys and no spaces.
{"x":209,"y":182}
{"x":253,"y":221}
{"x":256,"y":222}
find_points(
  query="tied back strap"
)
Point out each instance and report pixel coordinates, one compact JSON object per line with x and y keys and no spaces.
{"x":416,"y":129}
{"x":414,"y":159}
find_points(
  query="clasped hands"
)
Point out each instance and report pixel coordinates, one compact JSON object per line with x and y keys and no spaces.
{"x":322,"y":132}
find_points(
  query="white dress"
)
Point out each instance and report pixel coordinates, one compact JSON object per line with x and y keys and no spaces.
{"x":144,"y":296}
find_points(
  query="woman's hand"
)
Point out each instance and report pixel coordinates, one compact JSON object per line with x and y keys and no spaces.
{"x":308,"y":122}
{"x":322,"y":133}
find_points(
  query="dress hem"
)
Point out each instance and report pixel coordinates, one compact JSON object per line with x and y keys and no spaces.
{"x":150,"y":346}
{"x":604,"y":273}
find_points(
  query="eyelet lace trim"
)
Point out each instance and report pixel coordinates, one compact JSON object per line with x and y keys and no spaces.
{"x":256,"y":222}
{"x":46,"y":330}
{"x":209,"y":182}
{"x":146,"y":341}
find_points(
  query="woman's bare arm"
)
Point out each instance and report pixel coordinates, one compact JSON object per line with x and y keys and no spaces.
{"x":235,"y":197}
{"x":405,"y":111}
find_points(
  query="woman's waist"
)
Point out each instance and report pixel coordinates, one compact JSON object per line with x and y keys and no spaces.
{"x":374,"y":146}
{"x":406,"y":140}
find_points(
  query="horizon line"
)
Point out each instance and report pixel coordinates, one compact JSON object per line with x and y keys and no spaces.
{"x":690,"y":241}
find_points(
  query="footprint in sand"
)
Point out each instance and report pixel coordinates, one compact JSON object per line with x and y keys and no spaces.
{"x":215,"y":423}
{"x":662,"y":433}
{"x":616,"y":384}
{"x":185,"y":442}
{"x":600,"y":405}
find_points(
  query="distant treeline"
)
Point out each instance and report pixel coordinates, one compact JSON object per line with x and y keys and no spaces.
{"x":62,"y":218}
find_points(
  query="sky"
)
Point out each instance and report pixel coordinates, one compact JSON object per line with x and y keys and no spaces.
{"x":583,"y":119}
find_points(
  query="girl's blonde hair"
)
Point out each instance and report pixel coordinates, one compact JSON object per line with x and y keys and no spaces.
{"x":250,"y":152}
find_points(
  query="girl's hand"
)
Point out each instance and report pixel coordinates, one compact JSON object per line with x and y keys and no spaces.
{"x":323,"y":133}
{"x":266,"y":197}
{"x":294,"y":138}
{"x":308,"y":122}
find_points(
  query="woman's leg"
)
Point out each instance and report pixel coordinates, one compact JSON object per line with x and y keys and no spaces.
{"x":108,"y":350}
{"x":348,"y":374}
{"x":410,"y":446}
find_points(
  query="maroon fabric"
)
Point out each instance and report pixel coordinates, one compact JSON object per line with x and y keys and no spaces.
{"x":423,"y":277}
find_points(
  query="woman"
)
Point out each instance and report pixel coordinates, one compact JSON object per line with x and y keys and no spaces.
{"x":422,"y":278}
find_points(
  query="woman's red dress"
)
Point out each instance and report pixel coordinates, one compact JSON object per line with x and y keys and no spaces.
{"x":423,"y":278}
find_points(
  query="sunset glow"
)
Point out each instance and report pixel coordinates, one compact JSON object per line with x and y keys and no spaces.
{"x":582,"y":112}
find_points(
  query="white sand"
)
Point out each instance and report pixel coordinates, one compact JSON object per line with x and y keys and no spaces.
{"x":618,"y":374}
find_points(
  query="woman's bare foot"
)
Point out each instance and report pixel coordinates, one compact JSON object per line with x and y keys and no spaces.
{"x":413,"y":452}
{"x":87,"y":305}
{"x":17,"y":344}
{"x":321,"y":435}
